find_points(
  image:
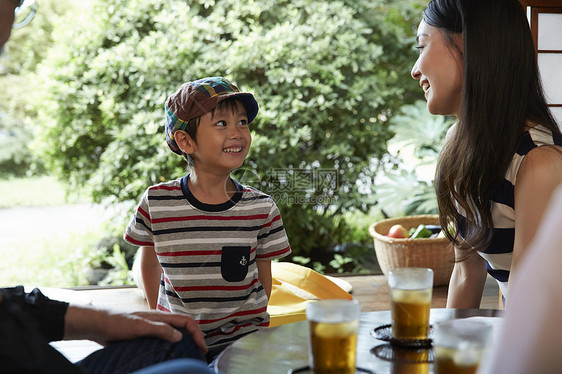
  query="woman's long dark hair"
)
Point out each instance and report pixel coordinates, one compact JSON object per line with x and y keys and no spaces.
{"x":501,"y":92}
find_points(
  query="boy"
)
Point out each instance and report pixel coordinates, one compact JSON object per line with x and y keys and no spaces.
{"x":206,"y":241}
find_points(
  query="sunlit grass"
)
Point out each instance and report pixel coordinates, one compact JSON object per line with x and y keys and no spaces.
{"x":36,"y":191}
{"x":59,"y":260}
{"x":57,"y":257}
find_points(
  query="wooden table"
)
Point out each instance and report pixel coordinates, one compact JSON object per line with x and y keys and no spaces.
{"x":279,"y":349}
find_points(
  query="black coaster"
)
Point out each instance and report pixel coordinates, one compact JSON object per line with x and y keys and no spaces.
{"x":306,"y":369}
{"x":384,"y":332}
{"x":391,"y":353}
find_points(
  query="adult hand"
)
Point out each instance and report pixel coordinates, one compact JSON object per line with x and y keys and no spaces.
{"x":103,"y":326}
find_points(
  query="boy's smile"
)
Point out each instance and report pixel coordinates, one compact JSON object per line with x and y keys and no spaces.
{"x":233,"y":150}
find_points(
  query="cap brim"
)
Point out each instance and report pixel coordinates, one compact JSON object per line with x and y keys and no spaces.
{"x":247,"y":99}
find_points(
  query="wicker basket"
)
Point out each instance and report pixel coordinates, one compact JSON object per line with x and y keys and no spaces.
{"x":436,"y":253}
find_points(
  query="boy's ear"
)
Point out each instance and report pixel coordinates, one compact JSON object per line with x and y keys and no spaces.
{"x":184,"y":141}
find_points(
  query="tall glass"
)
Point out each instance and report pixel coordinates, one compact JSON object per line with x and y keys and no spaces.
{"x":410,"y":361}
{"x":333,"y":335}
{"x":410,"y":301}
{"x":459,"y":344}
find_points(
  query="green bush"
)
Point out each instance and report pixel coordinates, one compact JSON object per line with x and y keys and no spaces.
{"x":25,"y":49}
{"x":16,"y":160}
{"x":328,"y":77}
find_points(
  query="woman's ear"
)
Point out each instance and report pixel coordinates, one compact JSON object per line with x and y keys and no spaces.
{"x":184,"y":142}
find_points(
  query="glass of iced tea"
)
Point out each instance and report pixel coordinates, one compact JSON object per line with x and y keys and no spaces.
{"x":410,"y":361}
{"x":459,"y":344}
{"x":333,"y":328}
{"x":410,"y":301}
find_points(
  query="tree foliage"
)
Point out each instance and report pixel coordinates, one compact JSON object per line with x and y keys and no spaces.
{"x":328,"y":76}
{"x":23,"y":51}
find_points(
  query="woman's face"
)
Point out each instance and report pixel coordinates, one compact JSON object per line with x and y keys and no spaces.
{"x":439,"y":70}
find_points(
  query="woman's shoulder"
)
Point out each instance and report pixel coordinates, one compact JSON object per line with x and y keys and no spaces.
{"x":537,"y":136}
{"x":544,"y":161}
{"x":541,"y":135}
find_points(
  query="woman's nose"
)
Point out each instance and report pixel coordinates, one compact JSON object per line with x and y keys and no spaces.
{"x":415,"y":73}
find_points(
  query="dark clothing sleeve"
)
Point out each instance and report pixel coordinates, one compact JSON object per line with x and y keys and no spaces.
{"x":28,"y":322}
{"x":47,"y":314}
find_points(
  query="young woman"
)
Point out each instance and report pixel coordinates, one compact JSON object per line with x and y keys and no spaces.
{"x":503,"y":158}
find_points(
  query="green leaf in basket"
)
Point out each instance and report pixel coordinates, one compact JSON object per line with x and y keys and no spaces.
{"x":420,"y":232}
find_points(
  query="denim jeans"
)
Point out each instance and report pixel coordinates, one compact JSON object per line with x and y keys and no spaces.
{"x":131,"y":355}
{"x":178,"y":366}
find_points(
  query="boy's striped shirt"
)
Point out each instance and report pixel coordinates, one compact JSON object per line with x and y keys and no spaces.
{"x":208,"y":255}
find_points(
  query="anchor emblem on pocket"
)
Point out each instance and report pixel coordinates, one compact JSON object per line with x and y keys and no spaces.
{"x":243,"y":261}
